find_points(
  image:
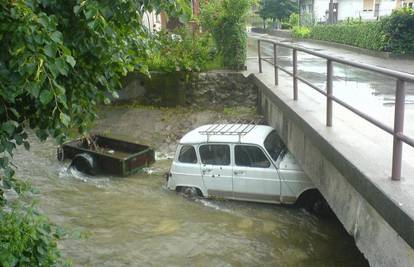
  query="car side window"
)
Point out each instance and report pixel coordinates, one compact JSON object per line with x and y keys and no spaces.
{"x":250,"y":156}
{"x":187,"y":155}
{"x":215,"y":154}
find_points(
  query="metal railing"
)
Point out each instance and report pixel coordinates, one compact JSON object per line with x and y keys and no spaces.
{"x":402,"y":78}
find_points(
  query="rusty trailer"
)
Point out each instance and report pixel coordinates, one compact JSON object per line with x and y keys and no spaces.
{"x":106,"y":155}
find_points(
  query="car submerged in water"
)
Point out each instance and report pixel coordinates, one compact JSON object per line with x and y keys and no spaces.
{"x":242,"y":162}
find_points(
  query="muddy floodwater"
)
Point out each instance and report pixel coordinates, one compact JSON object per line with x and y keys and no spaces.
{"x":136,"y":221}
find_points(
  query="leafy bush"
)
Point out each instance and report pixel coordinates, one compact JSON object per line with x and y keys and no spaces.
{"x":182,"y":51}
{"x":301,"y":32}
{"x":28,"y":239}
{"x":367,"y":35}
{"x":286,"y":25}
{"x":294,"y":19}
{"x":399,"y":31}
{"x":226,"y":21}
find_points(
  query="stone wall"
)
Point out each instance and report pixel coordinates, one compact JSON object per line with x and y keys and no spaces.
{"x":203,"y":90}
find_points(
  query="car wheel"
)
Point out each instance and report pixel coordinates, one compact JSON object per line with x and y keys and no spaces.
{"x":320,"y":207}
{"x":190,"y":192}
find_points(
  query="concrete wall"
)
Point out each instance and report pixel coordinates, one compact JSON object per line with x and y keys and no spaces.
{"x":359,"y":205}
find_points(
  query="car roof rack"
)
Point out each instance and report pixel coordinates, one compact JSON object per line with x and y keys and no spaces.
{"x":226,"y":128}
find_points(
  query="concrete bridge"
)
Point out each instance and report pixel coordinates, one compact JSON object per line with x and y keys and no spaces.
{"x":353,"y":159}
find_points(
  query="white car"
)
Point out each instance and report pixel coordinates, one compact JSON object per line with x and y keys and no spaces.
{"x":242,"y":162}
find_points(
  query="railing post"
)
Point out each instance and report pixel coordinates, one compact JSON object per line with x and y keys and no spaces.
{"x":295,"y":72}
{"x":259,"y":56}
{"x":275,"y":64}
{"x":398,"y":129}
{"x":329,"y":85}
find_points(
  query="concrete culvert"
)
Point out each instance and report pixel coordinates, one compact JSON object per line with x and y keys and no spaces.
{"x":85,"y":163}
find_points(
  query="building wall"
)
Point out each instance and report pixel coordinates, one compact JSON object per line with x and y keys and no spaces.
{"x":152,"y":21}
{"x":364,"y":9}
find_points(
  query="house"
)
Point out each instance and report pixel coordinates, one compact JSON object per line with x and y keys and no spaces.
{"x":314,"y":11}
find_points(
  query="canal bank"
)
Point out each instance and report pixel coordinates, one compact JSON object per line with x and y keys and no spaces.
{"x":135,"y":221}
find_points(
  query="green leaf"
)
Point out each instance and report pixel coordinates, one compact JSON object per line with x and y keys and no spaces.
{"x":70,"y":60}
{"x":26,"y":145}
{"x":8,"y":127}
{"x":34,"y":89}
{"x":56,"y":37}
{"x":4,"y":161}
{"x":65,"y":119}
{"x":45,"y":97}
{"x":76,"y":9}
{"x":50,"y":50}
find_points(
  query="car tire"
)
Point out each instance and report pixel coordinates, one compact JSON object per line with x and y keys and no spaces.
{"x":190,"y":192}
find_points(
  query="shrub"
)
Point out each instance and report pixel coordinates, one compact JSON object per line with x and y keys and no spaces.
{"x":301,"y":31}
{"x":367,"y":35}
{"x":226,"y":21}
{"x":399,"y":31}
{"x":286,"y":25}
{"x":294,"y":19}
{"x":28,"y":239}
{"x":182,"y":51}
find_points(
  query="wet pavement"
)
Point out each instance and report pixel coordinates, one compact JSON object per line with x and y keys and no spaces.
{"x":368,"y":92}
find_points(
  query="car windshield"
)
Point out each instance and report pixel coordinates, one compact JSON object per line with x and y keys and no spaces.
{"x":273,"y":145}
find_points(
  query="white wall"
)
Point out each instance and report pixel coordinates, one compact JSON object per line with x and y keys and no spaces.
{"x":320,"y":7}
{"x":152,"y":21}
{"x":352,"y":9}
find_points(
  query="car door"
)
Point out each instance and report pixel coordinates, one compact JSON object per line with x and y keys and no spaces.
{"x":255,"y":178}
{"x":216,"y":169}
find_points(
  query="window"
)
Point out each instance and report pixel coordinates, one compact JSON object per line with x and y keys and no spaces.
{"x":273,"y":145}
{"x":215,"y":154}
{"x":368,"y":5}
{"x":187,"y":155}
{"x":251,"y":156}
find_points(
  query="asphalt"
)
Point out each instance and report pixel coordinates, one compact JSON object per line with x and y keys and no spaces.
{"x":400,"y":63}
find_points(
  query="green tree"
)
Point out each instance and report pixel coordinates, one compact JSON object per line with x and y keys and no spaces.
{"x":60,"y":59}
{"x":276,"y":10}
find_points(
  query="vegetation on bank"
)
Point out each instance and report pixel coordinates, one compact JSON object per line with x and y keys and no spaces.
{"x":394,"y":33}
{"x":221,"y":43}
{"x":226,"y":21}
{"x":58,"y":61}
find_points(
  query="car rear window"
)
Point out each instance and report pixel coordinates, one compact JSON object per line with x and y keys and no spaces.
{"x":187,"y":155}
{"x":215,"y":154}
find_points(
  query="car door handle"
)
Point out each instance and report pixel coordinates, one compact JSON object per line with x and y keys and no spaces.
{"x":238,"y":172}
{"x":207,"y":171}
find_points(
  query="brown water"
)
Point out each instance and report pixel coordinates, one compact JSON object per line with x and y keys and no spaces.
{"x":135,"y":221}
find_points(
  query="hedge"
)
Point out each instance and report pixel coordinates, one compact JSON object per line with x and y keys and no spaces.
{"x":367,"y":35}
{"x":394,"y":33}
